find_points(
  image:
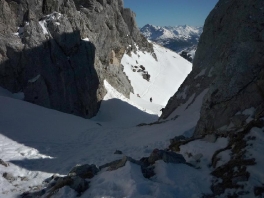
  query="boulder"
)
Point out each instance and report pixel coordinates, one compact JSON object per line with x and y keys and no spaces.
{"x":53,"y":184}
{"x":142,"y":67}
{"x":84,"y":171}
{"x":2,"y":162}
{"x":187,"y":56}
{"x":9,"y":177}
{"x":146,"y":76}
{"x":118,"y":152}
{"x":118,"y":164}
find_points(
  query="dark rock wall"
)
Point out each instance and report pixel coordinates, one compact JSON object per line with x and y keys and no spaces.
{"x":48,"y":60}
{"x":230,"y":62}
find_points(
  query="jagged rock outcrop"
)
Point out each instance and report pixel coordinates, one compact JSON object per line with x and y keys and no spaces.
{"x":229,"y":63}
{"x":59,"y":52}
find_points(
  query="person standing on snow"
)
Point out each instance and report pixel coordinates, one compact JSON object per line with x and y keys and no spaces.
{"x":150,"y":99}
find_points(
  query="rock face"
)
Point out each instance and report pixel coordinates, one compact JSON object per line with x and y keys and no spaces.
{"x":59,"y":52}
{"x":229,"y":63}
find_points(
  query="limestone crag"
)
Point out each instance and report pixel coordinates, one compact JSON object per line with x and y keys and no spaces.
{"x":229,"y":63}
{"x":59,"y":52}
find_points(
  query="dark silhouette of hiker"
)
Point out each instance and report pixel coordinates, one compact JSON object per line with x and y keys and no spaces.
{"x":150,"y":99}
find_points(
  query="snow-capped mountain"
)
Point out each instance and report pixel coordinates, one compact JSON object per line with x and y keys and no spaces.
{"x":183,"y":32}
{"x":182,"y":39}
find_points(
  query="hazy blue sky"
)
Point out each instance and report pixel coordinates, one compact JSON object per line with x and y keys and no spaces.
{"x":171,"y":12}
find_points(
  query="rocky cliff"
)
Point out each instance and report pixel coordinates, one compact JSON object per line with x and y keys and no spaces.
{"x":229,"y":64}
{"x":59,"y":52}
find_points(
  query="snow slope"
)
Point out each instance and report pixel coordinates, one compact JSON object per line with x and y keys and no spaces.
{"x":38,"y":142}
{"x":166,"y":74}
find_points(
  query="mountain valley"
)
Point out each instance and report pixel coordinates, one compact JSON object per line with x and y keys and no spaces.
{"x":90,"y":107}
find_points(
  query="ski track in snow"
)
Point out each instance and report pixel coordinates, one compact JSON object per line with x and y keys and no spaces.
{"x":152,"y":83}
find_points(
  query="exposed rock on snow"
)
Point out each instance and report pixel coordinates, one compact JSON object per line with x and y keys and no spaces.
{"x":120,"y":163}
{"x":146,"y":76}
{"x":188,"y":55}
{"x":142,"y":71}
{"x":9,"y":177}
{"x":76,"y":180}
{"x":56,"y":183}
{"x":84,"y":171}
{"x":166,"y":156}
{"x":3,"y":163}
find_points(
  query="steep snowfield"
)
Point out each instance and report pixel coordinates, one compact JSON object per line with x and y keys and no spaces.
{"x":166,"y":74}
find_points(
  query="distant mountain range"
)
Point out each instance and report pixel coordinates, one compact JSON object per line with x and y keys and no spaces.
{"x":182,"y":39}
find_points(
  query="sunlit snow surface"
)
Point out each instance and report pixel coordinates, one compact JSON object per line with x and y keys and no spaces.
{"x":166,"y":74}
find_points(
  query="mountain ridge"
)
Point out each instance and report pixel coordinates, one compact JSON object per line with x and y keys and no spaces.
{"x":177,"y":31}
{"x":182,"y":39}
